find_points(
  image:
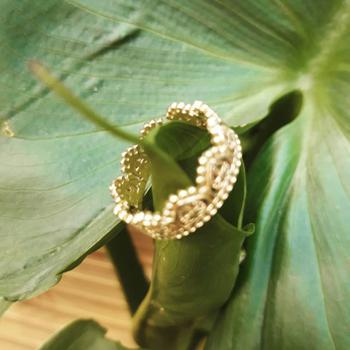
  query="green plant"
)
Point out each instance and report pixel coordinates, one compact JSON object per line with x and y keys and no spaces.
{"x":281,"y":67}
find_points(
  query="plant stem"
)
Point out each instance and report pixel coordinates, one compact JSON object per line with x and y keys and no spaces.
{"x":86,"y":111}
{"x":128,"y":268}
{"x":154,"y":336}
{"x":55,"y":85}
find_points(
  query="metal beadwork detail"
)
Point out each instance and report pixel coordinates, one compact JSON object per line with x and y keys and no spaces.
{"x":188,"y":209}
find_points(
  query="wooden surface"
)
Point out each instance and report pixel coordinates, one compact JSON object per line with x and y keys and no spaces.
{"x":89,"y":291}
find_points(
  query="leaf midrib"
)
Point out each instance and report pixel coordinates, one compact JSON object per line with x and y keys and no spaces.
{"x":310,"y":78}
{"x":333,"y":34}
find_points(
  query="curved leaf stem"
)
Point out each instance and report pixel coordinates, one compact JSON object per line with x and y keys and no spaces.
{"x":44,"y":75}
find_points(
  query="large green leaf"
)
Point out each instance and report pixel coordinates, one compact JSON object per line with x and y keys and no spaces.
{"x":55,"y":167}
{"x":293,"y":291}
{"x":238,"y":56}
{"x":82,"y":335}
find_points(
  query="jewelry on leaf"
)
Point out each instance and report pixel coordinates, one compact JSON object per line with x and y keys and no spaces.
{"x":188,"y":209}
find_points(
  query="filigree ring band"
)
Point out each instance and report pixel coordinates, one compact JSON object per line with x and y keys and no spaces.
{"x":188,"y":209}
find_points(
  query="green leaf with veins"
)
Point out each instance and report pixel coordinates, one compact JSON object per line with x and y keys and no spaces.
{"x":82,"y":335}
{"x":56,"y":167}
{"x":293,"y":289}
{"x":238,"y":56}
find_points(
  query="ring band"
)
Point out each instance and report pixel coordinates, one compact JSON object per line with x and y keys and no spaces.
{"x":188,"y":209}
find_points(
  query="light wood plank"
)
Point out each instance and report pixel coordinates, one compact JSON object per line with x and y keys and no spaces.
{"x":89,"y":291}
